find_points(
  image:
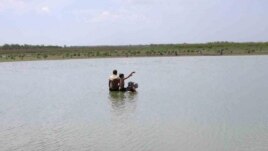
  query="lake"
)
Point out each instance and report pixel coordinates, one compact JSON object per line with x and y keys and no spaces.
{"x":182,"y":103}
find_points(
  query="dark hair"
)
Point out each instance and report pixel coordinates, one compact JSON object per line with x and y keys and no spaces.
{"x":121,"y":75}
{"x":130,"y":84}
{"x":115,"y":72}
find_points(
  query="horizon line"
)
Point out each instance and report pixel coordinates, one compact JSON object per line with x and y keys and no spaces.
{"x":144,"y":44}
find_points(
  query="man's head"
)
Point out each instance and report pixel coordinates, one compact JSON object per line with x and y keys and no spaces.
{"x":121,"y":75}
{"x":115,"y":72}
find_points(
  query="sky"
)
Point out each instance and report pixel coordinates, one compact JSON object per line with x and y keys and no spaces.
{"x":129,"y":22}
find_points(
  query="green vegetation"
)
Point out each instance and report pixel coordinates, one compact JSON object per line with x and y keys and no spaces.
{"x":17,"y":52}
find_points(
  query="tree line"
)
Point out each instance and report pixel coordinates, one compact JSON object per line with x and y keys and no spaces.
{"x":131,"y":47}
{"x":25,"y":46}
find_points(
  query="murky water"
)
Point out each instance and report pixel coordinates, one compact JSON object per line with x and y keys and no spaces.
{"x":183,"y":103}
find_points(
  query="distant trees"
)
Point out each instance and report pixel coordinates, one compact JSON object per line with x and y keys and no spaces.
{"x":25,"y":46}
{"x":29,"y":52}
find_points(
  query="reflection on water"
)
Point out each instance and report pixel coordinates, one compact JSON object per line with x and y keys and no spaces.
{"x":123,"y":103}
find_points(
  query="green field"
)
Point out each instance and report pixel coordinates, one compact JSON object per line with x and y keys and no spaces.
{"x":16,"y":52}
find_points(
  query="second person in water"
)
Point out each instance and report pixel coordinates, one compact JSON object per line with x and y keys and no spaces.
{"x":122,"y":81}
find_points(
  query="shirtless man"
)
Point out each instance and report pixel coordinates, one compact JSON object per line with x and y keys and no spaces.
{"x":114,"y":81}
{"x":122,"y":81}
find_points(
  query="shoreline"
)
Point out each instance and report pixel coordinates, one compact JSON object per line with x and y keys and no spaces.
{"x":15,"y":53}
{"x":122,"y":57}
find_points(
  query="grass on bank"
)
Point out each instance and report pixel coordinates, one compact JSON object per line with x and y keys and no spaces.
{"x":37,"y":52}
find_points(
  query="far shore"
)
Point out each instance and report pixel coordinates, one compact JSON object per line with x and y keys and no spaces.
{"x":10,"y":53}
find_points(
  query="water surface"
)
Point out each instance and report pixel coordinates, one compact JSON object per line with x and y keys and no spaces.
{"x":183,"y":103}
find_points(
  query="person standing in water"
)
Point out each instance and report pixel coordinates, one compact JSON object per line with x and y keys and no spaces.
{"x":122,"y":81}
{"x":114,"y":81}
